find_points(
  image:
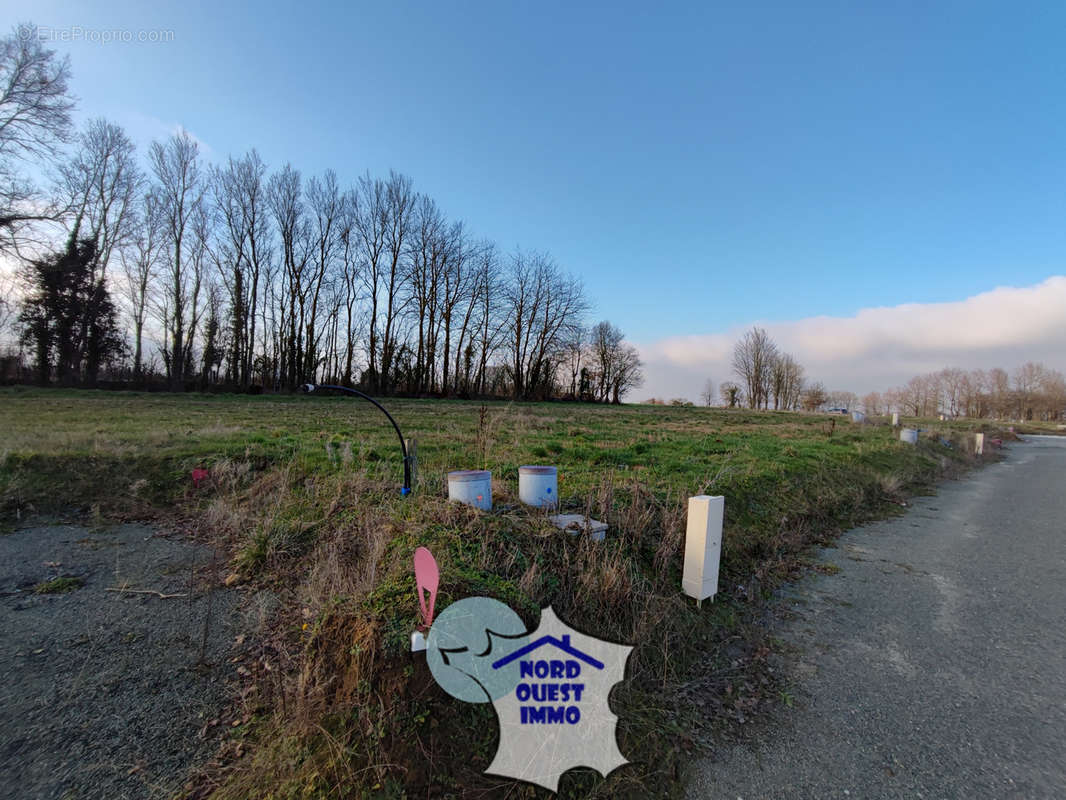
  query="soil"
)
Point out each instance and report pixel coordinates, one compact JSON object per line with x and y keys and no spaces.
{"x":111,"y":694}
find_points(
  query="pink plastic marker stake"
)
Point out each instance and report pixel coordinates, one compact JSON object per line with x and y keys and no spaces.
{"x":427,"y":578}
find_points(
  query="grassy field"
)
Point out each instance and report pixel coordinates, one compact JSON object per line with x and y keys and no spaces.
{"x":303,"y":499}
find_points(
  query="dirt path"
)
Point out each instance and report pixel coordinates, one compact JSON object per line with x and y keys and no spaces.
{"x":934,"y":663}
{"x":105,"y":694}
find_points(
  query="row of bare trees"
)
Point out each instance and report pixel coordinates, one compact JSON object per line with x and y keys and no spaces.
{"x":235,"y":274}
{"x":601,"y":365}
{"x":1031,"y":392}
{"x":769,"y":378}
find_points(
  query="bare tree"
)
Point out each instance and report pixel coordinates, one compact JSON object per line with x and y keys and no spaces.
{"x":814,"y":396}
{"x":198,"y":261}
{"x":1053,"y":395}
{"x":352,"y":266}
{"x":214,"y":349}
{"x":8,"y":308}
{"x":605,"y":344}
{"x":629,"y":373}
{"x":326,"y":205}
{"x":35,"y":111}
{"x":542,"y":307}
{"x":753,"y":359}
{"x":239,"y":195}
{"x":458,"y":283}
{"x":616,"y":364}
{"x":731,"y":393}
{"x":974,"y":397}
{"x":707,"y":394}
{"x":370,"y":211}
{"x":999,"y":389}
{"x":488,"y":297}
{"x":911,"y":397}
{"x":286,"y":199}
{"x":442,"y":288}
{"x":179,"y":189}
{"x":140,"y":264}
{"x":101,"y":184}
{"x":575,"y":352}
{"x":399,"y":206}
{"x":425,"y":276}
{"x":951,"y":385}
{"x":872,"y":403}
{"x":786,"y":381}
{"x":469,"y":307}
{"x":890,"y":400}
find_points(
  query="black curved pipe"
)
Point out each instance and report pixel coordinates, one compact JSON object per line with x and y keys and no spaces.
{"x":406,"y":490}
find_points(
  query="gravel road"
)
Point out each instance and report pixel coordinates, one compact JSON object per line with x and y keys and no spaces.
{"x":105,"y":694}
{"x":933,"y":664}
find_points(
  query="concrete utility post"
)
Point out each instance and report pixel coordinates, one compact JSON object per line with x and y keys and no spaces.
{"x":703,"y":546}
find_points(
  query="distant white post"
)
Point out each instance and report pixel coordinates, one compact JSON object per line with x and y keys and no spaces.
{"x":895,"y":419}
{"x":703,"y":546}
{"x":979,"y":444}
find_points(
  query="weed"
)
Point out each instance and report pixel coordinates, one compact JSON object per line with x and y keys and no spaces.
{"x":59,"y":585}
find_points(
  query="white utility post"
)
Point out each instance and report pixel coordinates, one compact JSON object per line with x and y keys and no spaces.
{"x":895,"y":419}
{"x":979,"y":444}
{"x":703,"y":546}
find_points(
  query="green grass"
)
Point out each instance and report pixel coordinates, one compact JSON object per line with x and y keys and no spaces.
{"x":73,"y":444}
{"x":58,"y":585}
{"x":304,"y":494}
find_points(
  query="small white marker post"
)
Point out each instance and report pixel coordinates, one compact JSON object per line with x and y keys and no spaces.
{"x":703,"y":546}
{"x":895,"y":419}
{"x":979,"y":444}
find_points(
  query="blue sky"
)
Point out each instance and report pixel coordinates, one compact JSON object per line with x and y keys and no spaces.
{"x":699,"y":166}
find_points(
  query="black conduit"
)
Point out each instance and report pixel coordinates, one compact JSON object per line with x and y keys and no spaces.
{"x":406,"y":490}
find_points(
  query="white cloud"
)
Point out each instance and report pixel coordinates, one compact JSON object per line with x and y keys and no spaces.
{"x":145,"y":128}
{"x":879,"y":348}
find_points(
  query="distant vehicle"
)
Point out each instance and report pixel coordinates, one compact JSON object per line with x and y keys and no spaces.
{"x":837,"y":411}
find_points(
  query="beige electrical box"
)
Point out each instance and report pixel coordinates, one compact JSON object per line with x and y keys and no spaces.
{"x":979,"y":444}
{"x":703,"y":546}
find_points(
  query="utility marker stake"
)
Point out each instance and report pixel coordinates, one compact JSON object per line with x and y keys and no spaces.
{"x":412,"y":460}
{"x":427,"y":580}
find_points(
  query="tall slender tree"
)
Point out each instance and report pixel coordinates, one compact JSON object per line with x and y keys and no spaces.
{"x":35,"y":109}
{"x":179,"y":188}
